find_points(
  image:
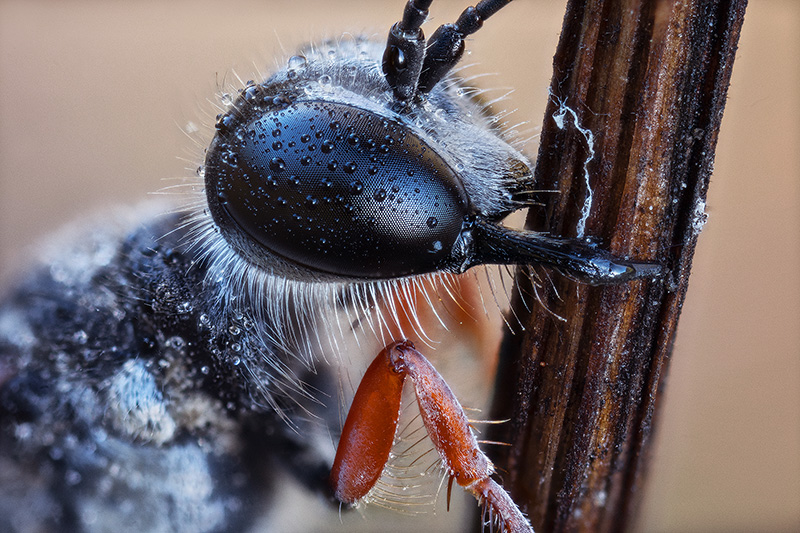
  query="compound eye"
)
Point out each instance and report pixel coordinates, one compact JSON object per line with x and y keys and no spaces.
{"x":336,"y":189}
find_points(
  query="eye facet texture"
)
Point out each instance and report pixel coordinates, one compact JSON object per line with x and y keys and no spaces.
{"x":337,"y":189}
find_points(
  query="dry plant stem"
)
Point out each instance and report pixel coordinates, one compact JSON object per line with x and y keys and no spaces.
{"x":649,"y":79}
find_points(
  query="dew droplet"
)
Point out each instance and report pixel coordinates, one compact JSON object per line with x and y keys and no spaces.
{"x":250,"y":94}
{"x":297,"y":62}
{"x":356,"y":187}
{"x":277,"y":164}
{"x":432,"y":222}
{"x":380,"y":195}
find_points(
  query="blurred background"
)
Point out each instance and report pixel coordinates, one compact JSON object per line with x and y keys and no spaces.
{"x":95,"y":96}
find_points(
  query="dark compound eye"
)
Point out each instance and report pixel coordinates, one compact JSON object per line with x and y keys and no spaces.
{"x":337,"y":189}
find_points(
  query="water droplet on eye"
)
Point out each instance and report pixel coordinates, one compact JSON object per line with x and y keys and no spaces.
{"x":350,"y":167}
{"x":224,"y":123}
{"x":294,"y":181}
{"x":311,"y":202}
{"x":226,"y":99}
{"x":325,"y":81}
{"x":276,"y":132}
{"x":436,"y":247}
{"x":380,"y":195}
{"x":205,"y":370}
{"x":356,"y":187}
{"x":335,"y":125}
{"x":327,"y":147}
{"x":372,"y":171}
{"x":353,"y":139}
{"x":251,"y":93}
{"x":305,"y":138}
{"x":277,"y":145}
{"x":277,"y":164}
{"x":332,"y":165}
{"x":305,"y":161}
{"x":432,"y":222}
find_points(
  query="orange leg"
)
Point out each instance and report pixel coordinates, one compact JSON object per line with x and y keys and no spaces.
{"x":371,"y":424}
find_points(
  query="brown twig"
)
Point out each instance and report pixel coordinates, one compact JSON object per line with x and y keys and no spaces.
{"x":649,"y":79}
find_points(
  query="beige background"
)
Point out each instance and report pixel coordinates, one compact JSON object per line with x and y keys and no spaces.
{"x":93,"y":96}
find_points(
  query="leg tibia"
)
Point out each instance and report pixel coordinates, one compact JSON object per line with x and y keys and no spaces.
{"x":368,"y":432}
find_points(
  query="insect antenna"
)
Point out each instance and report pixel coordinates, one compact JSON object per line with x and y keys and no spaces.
{"x":410,"y":65}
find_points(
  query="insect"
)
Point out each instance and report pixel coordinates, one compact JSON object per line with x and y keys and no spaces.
{"x":171,"y":364}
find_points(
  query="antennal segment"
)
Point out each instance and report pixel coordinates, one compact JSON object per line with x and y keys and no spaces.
{"x":446,"y":45}
{"x":410,"y":66}
{"x":405,"y":50}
